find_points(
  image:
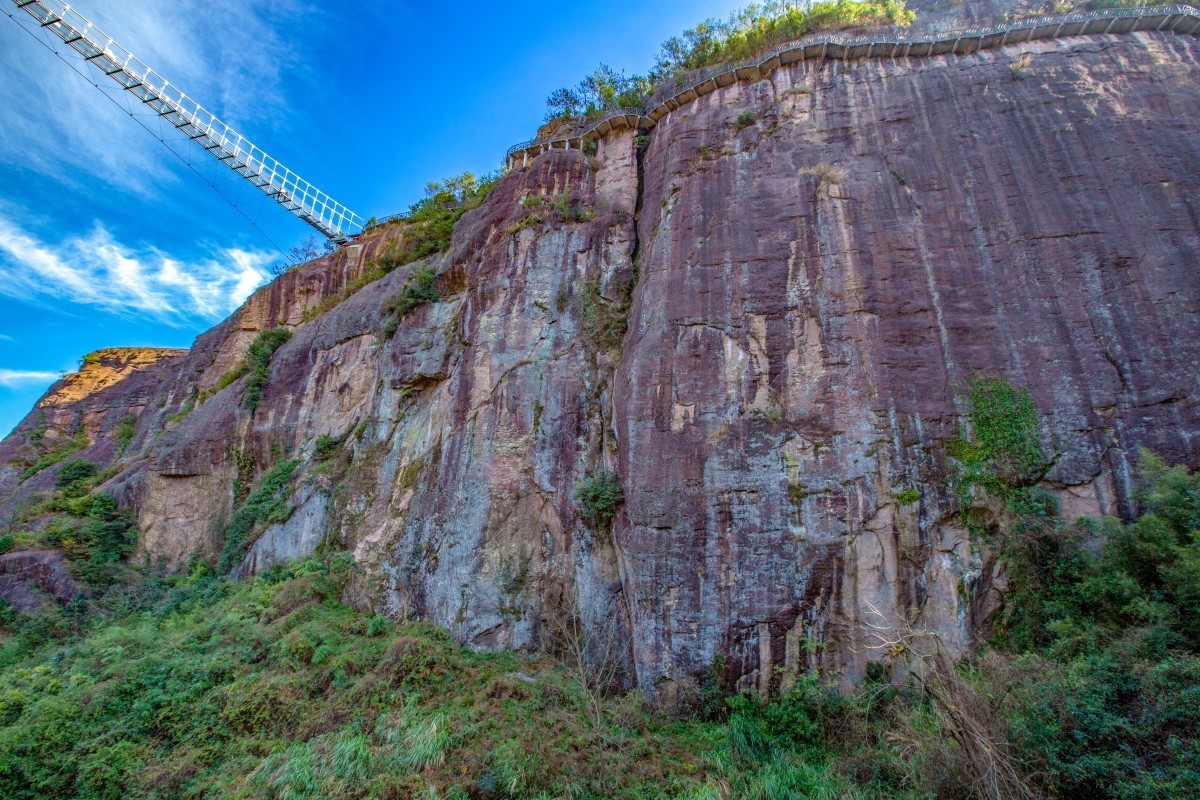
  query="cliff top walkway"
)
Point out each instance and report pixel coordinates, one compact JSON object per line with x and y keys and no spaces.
{"x":671,"y":95}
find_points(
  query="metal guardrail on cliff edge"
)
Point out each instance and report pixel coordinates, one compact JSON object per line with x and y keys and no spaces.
{"x":670,"y":95}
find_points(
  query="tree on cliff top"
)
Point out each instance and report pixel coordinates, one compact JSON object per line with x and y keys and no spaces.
{"x":748,"y":32}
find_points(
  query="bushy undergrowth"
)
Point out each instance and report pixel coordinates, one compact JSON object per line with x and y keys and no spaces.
{"x":256,"y":364}
{"x":1115,"y":710}
{"x":88,"y":526}
{"x":599,"y":496}
{"x":151,"y":686}
{"x":430,"y":221}
{"x":428,"y":229}
{"x":196,"y":687}
{"x":258,"y":360}
{"x":49,"y":456}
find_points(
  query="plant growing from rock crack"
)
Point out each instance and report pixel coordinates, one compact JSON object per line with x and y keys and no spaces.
{"x":420,"y":290}
{"x":258,"y":360}
{"x":599,"y":497}
{"x":1002,"y":453}
{"x":267,"y":505}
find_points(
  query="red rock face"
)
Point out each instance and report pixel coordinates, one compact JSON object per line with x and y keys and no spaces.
{"x":819,"y":286}
{"x":31,"y":577}
{"x":813,"y":291}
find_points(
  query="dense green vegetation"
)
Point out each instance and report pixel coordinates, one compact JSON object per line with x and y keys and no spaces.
{"x":153,"y":686}
{"x":748,"y":32}
{"x":1115,"y":637}
{"x":266,"y":505}
{"x":428,"y":229}
{"x":258,"y":361}
{"x":256,"y":364}
{"x":94,"y":532}
{"x":430,"y":221}
{"x":1002,"y":455}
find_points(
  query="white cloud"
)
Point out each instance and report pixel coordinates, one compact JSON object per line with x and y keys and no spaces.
{"x":95,"y":270}
{"x":20,"y":378}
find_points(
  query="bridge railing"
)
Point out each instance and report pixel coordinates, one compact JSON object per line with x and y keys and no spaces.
{"x":578,"y":126}
{"x":227,"y":145}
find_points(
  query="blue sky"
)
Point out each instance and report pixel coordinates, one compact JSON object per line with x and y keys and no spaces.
{"x":107,"y":239}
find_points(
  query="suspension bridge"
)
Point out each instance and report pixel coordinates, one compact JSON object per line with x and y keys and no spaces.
{"x":154,"y":93}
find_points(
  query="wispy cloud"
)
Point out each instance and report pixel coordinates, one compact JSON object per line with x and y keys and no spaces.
{"x":21,"y":378}
{"x":95,"y":270}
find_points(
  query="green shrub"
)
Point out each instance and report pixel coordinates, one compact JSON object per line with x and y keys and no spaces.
{"x":258,"y":362}
{"x":327,"y":447}
{"x":7,"y":543}
{"x":234,"y":374}
{"x":603,"y":322}
{"x":266,"y":505}
{"x":567,"y":210}
{"x":599,"y":497}
{"x":1112,"y":710}
{"x":124,"y":433}
{"x":906,"y":496}
{"x":420,"y":290}
{"x":745,"y":120}
{"x":75,"y":471}
{"x":747,"y":33}
{"x":429,"y":226}
{"x":1002,"y":453}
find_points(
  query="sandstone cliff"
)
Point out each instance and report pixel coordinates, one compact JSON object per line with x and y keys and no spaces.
{"x":763,"y":329}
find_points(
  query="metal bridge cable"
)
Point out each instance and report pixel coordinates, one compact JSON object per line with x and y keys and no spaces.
{"x":159,"y":137}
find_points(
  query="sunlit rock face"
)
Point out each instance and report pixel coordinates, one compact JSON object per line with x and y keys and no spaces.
{"x":806,"y":298}
{"x":84,"y":409}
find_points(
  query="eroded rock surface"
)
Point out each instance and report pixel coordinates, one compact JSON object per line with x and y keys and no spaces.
{"x":30,"y":578}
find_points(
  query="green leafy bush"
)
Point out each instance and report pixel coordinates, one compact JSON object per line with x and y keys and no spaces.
{"x":1113,"y":711}
{"x":124,"y":433}
{"x":420,"y":290}
{"x":65,"y":448}
{"x":1002,"y":454}
{"x":429,"y":225}
{"x":73,"y":472}
{"x":745,"y":120}
{"x":327,"y":447}
{"x":258,"y":362}
{"x":7,"y":543}
{"x":599,"y":496}
{"x":266,"y":505}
